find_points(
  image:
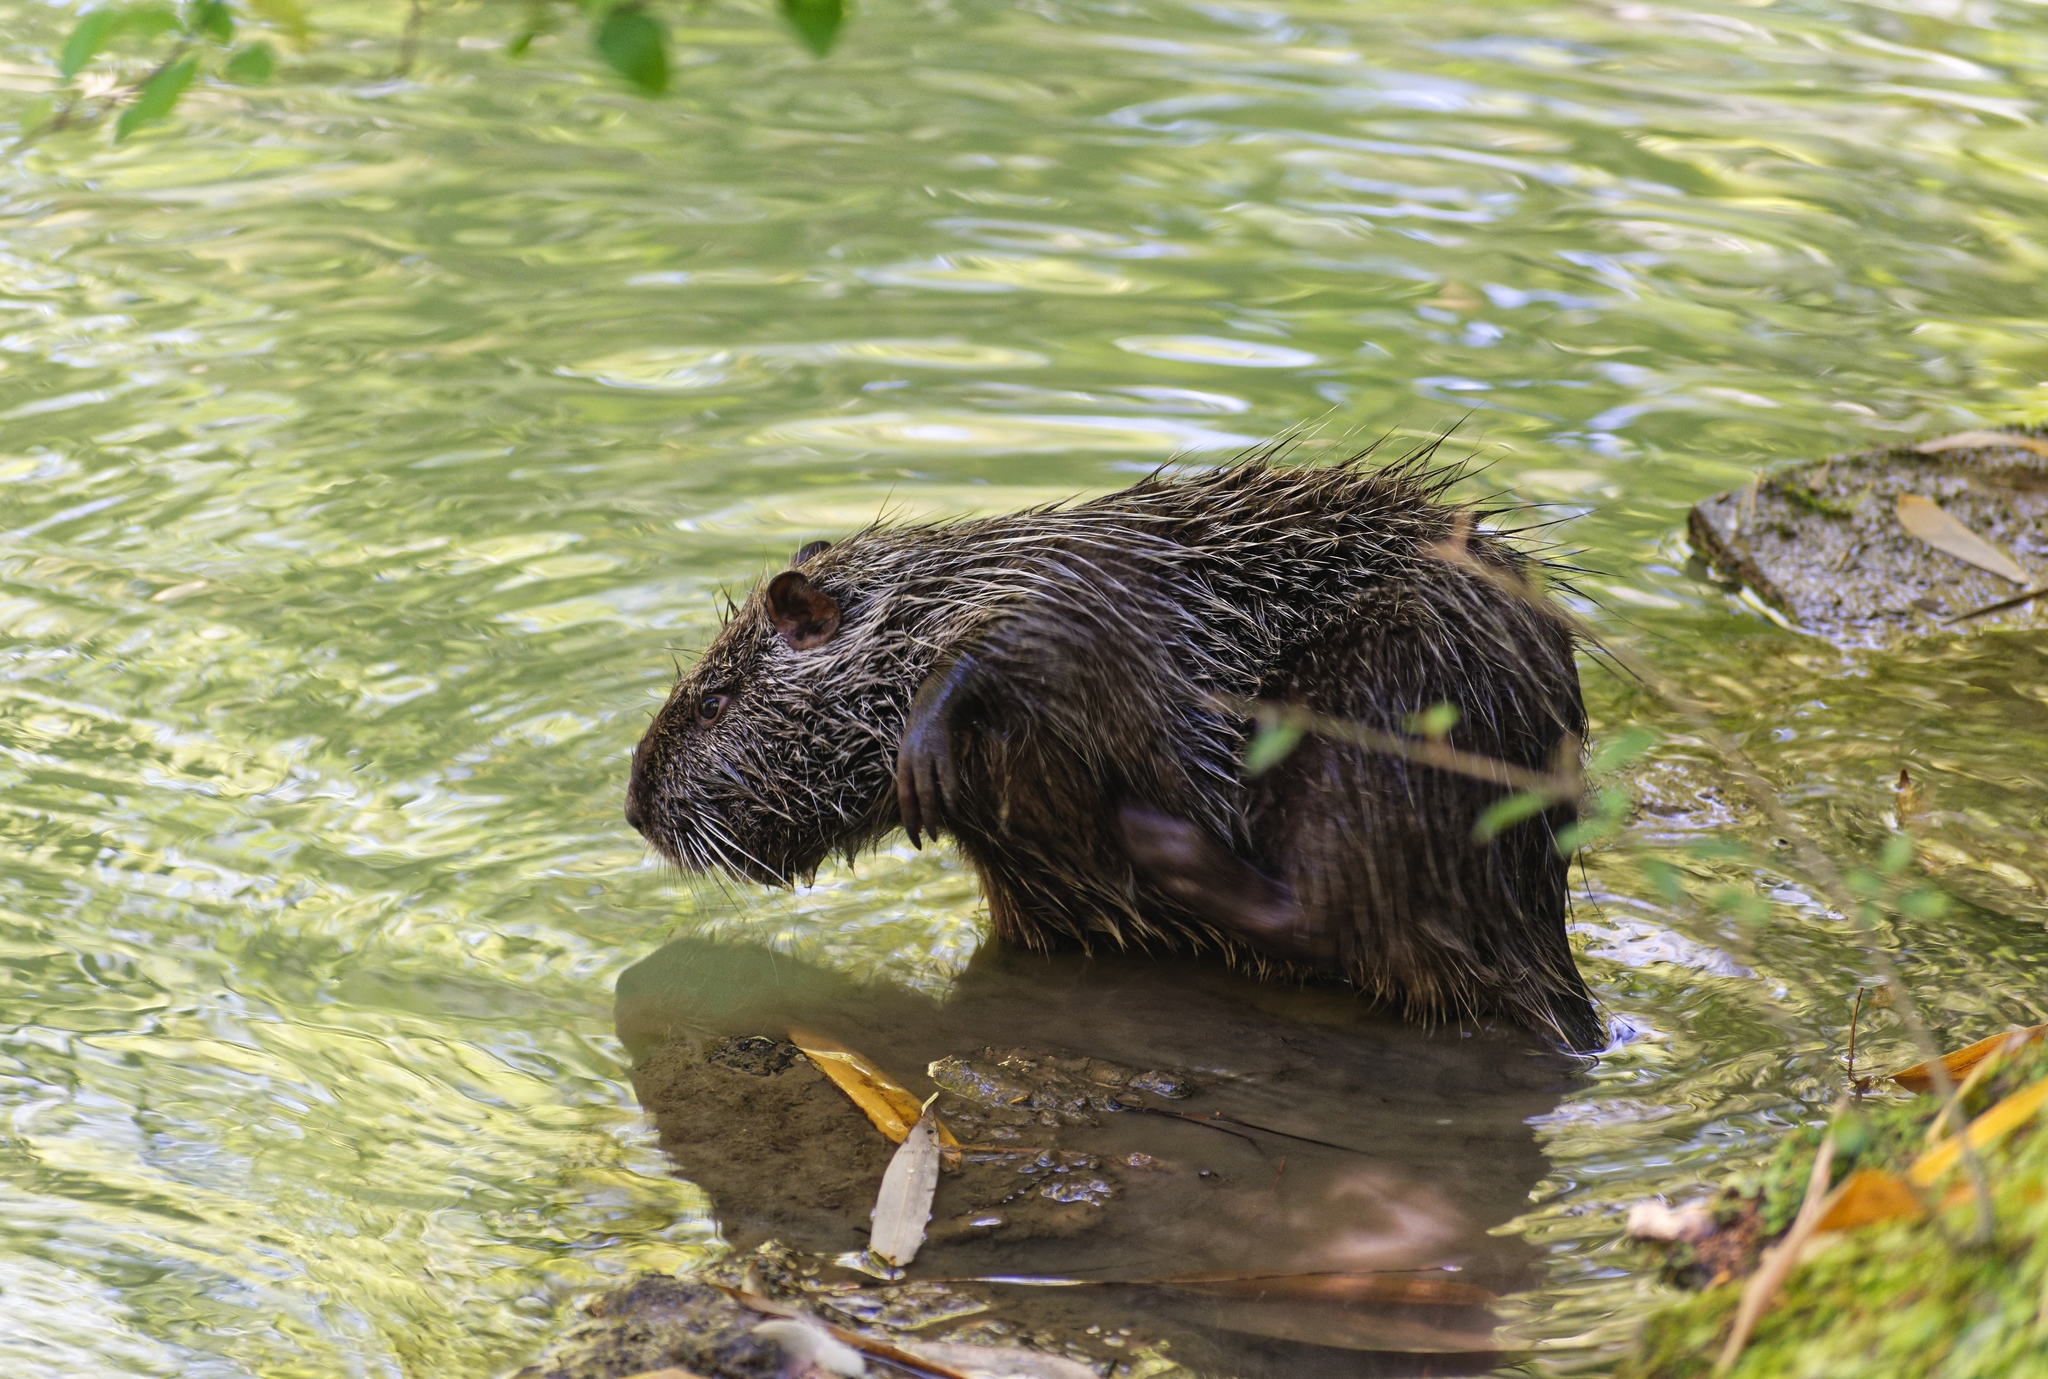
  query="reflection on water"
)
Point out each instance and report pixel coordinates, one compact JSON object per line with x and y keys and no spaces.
{"x":1379,"y":1146}
{"x":368,"y":447}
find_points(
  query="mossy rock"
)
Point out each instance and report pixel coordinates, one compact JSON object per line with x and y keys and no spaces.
{"x":1821,"y":541}
{"x":1899,"y":1300}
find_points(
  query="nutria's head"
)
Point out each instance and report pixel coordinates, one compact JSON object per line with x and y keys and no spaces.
{"x":777,"y":749}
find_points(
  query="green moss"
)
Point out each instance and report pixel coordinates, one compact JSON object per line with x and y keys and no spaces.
{"x":1893,"y":1301}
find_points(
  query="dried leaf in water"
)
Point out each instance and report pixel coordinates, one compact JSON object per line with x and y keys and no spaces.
{"x":2001,"y":1120}
{"x":1866,"y":1196}
{"x":904,"y":1204}
{"x":1920,"y":1077}
{"x":887,"y":1102}
{"x":866,"y":1345}
{"x":670,"y":1373}
{"x":1929,"y":521}
{"x":1983,"y":440}
{"x":1907,"y":799}
{"x":808,"y":1348}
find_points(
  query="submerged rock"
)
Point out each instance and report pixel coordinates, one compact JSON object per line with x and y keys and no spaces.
{"x":792,"y":1324}
{"x":1822,"y":542}
{"x":656,"y":1323}
{"x":1064,"y":1089}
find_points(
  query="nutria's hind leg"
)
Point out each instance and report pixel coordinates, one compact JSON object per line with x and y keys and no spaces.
{"x":1382,"y":851}
{"x":1196,"y":869}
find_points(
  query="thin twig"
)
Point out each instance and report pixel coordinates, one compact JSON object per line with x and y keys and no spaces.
{"x":1854,"y":1011}
{"x":409,"y":44}
{"x":1999,"y":607}
{"x":1554,"y":785}
{"x":1777,"y":1261}
{"x":1820,"y":868}
{"x":1218,"y":1120}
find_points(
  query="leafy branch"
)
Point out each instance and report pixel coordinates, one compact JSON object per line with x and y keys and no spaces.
{"x":237,"y":43}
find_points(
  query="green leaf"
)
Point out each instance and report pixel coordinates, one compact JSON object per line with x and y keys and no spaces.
{"x":146,"y":20}
{"x":1270,"y":746}
{"x":1741,"y":902}
{"x":1897,"y":855}
{"x":154,"y":101}
{"x":1667,"y":879}
{"x":1720,"y":850}
{"x":1610,"y":811}
{"x":286,"y":15}
{"x":85,"y":42}
{"x":1621,"y":749}
{"x":36,"y":114}
{"x":1924,"y":903}
{"x":99,"y":28}
{"x":816,"y":22}
{"x":635,"y":47}
{"x":1584,"y":834}
{"x":1507,"y":811}
{"x":210,"y":19}
{"x":251,"y":65}
{"x":1434,"y":722}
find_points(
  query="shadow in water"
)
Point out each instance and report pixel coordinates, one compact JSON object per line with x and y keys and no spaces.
{"x":1356,"y":1143}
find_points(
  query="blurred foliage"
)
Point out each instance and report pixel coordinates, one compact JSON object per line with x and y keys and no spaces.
{"x":1901,"y":1299}
{"x":134,"y":62}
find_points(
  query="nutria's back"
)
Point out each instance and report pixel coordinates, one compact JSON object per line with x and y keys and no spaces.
{"x":1045,"y":687}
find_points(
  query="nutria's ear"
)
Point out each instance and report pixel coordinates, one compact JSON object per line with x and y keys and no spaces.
{"x":809,"y":549}
{"x":804,"y":615}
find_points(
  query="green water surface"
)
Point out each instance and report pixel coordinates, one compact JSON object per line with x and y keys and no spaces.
{"x":370,"y":447}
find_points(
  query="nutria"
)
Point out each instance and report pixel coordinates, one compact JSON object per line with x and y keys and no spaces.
{"x":1054,"y":689}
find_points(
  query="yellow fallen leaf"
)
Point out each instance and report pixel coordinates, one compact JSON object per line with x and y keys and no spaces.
{"x":1983,"y":440}
{"x":1920,"y":1077}
{"x":2001,"y":1120}
{"x":1932,"y":523}
{"x":1865,"y":1196}
{"x":888,"y":1103}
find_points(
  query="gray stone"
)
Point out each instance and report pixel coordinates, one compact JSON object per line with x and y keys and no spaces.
{"x":1821,"y":541}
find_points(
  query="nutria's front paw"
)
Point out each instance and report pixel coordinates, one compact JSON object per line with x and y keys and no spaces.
{"x":927,"y":781}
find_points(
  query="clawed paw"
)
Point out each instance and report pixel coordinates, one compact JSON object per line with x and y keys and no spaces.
{"x":927,"y":778}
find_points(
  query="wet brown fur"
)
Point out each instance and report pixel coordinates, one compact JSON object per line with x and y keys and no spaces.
{"x":1068,"y":657}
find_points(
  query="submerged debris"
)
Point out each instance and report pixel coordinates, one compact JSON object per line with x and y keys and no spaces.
{"x":1867,"y":548}
{"x":1063,"y":1089}
{"x":774,"y":1314}
{"x":656,"y":1323}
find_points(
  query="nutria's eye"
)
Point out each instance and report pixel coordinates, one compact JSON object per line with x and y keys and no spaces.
{"x":709,"y":707}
